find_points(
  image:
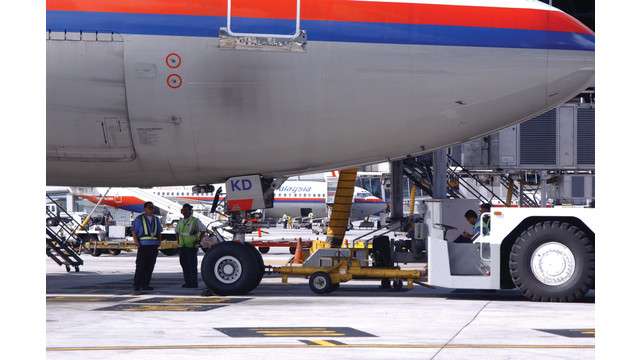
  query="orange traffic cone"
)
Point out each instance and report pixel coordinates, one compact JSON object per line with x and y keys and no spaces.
{"x":298,"y":258}
{"x":345,"y":243}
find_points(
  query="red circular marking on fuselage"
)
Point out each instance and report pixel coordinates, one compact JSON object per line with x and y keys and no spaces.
{"x":173,"y":60}
{"x":174,"y":81}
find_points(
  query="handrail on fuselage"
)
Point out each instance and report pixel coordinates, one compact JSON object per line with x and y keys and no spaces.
{"x":280,"y":36}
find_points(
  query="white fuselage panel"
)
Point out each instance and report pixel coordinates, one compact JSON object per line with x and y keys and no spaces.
{"x":223,"y":113}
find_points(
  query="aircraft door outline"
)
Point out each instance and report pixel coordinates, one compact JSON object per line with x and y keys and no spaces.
{"x":93,"y":103}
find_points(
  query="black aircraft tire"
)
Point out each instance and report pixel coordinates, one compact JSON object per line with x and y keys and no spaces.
{"x":237,"y":271}
{"x":259,"y":260}
{"x":264,"y":249}
{"x":567,"y":245}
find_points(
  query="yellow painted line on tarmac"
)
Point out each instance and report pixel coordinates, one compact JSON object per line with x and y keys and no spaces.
{"x":324,"y":343}
{"x":297,"y":332}
{"x":300,"y":332}
{"x":287,"y":328}
{"x":134,"y":307}
{"x":303,"y":335}
{"x":272,"y":332}
{"x":293,"y":330}
{"x":321,"y":342}
{"x":305,"y":346}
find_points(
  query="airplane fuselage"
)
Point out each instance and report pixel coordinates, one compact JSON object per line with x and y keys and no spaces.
{"x":141,"y":94}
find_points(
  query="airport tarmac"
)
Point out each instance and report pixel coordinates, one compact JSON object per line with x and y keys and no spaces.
{"x":94,"y":314}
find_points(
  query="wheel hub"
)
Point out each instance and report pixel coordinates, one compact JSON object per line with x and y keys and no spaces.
{"x":319,"y":282}
{"x":228,"y":269}
{"x":553,"y":264}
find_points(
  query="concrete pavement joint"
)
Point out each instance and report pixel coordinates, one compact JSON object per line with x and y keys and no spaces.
{"x":459,"y":331}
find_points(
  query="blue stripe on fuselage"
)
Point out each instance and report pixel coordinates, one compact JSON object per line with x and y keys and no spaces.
{"x":386,"y":33}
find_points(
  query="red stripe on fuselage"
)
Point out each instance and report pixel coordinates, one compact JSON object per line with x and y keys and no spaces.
{"x":114,"y":201}
{"x":343,"y":10}
{"x":201,"y":198}
{"x":368,"y":201}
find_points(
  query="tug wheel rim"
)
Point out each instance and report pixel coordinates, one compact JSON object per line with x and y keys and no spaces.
{"x":320,"y":283}
{"x":553,"y":264}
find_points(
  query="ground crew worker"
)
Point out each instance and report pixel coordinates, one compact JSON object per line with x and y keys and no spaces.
{"x":284,"y":220}
{"x":189,"y":232}
{"x":147,"y":230}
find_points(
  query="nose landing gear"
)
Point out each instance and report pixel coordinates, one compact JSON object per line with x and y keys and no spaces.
{"x":236,"y":267}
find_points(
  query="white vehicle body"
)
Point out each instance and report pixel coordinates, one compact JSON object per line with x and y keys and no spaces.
{"x":493,"y":249}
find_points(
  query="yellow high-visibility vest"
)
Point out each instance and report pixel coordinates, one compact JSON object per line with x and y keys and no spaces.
{"x":145,"y":228}
{"x":184,"y":229}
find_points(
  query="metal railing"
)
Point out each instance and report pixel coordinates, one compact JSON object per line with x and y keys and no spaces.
{"x":468,"y":183}
{"x":61,"y":238}
{"x":60,"y":251}
{"x":462,"y":174}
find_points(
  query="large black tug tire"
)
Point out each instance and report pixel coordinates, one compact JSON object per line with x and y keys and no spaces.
{"x":553,"y":261}
{"x":96,"y":252}
{"x":115,"y":252}
{"x":230,"y":268}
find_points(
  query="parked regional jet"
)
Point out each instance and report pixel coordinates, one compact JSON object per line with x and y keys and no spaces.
{"x":148,"y":93}
{"x":294,"y":198}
